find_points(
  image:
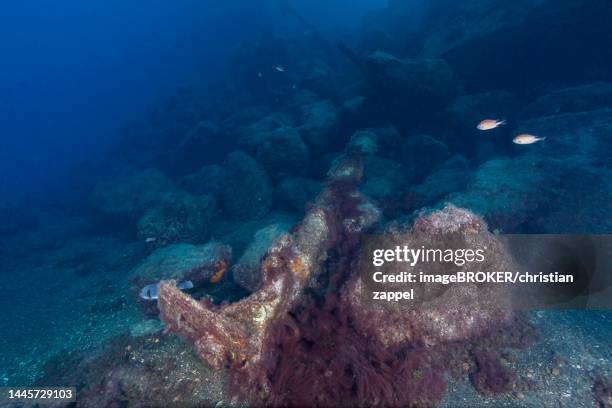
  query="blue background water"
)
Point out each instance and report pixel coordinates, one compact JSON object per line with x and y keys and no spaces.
{"x":73,"y":72}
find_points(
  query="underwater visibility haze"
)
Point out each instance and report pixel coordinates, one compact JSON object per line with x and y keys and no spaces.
{"x":190,"y":190}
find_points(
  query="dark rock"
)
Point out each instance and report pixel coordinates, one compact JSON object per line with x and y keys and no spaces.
{"x":131,"y":195}
{"x":383,"y":178}
{"x":317,"y":124}
{"x":582,"y":204}
{"x":384,"y":141}
{"x":208,"y":180}
{"x":408,"y":89}
{"x":246,"y":271}
{"x":201,"y":264}
{"x":246,"y":116}
{"x":239,"y":234}
{"x":353,"y":113}
{"x":301,"y":98}
{"x":247,"y":193}
{"x":180,"y":262}
{"x":202,"y":144}
{"x":251,"y":136}
{"x":579,"y":147}
{"x":389,"y":141}
{"x":179,"y":217}
{"x":506,"y":192}
{"x":571,"y":100}
{"x":295,"y":193}
{"x":448,"y":316}
{"x":453,"y":175}
{"x":352,"y":106}
{"x":580,"y":134}
{"x":365,"y":142}
{"x":477,"y":37}
{"x":200,"y":137}
{"x":463,"y":22}
{"x":319,"y":79}
{"x":283,"y":152}
{"x":422,"y":153}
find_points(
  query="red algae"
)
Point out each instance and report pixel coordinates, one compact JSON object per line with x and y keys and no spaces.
{"x":304,"y":338}
{"x":326,"y":362}
{"x":491,"y":377}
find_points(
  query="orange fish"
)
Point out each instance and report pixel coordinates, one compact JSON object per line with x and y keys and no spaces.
{"x":525,"y":139}
{"x":221,"y":267}
{"x":490,"y":124}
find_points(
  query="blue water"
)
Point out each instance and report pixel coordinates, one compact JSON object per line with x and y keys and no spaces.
{"x":120,"y":122}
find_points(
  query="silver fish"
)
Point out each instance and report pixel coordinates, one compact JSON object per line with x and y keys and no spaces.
{"x":151,"y":292}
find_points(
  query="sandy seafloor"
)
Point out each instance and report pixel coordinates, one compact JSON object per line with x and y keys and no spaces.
{"x":63,"y":310}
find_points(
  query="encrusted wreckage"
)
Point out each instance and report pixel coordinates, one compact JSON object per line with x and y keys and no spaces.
{"x":305,"y":338}
{"x":237,"y":333}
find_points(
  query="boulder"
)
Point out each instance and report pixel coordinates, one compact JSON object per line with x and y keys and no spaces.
{"x":389,"y":141}
{"x":448,"y":314}
{"x":202,"y":144}
{"x":582,"y":206}
{"x":130,"y":195}
{"x":201,"y":264}
{"x":384,"y":178}
{"x":301,"y":98}
{"x":365,"y":142}
{"x":583,"y":135}
{"x":319,"y":79}
{"x":246,"y":271}
{"x":179,"y":217}
{"x":353,"y":112}
{"x":208,"y":180}
{"x":579,"y":145}
{"x":507,"y":192}
{"x":453,"y":175}
{"x":318,"y":122}
{"x":251,"y":136}
{"x":244,"y":117}
{"x":408,"y":90}
{"x":239,"y":234}
{"x":571,"y":100}
{"x":247,"y":193}
{"x":295,"y":193}
{"x":422,"y":153}
{"x":526,"y":45}
{"x":282,"y":152}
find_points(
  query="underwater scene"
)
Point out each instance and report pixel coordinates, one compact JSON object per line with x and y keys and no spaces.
{"x":306,"y":203}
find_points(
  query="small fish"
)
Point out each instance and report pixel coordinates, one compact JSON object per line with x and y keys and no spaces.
{"x":259,"y":75}
{"x":490,"y":124}
{"x":525,"y":139}
{"x":279,"y":68}
{"x":150,"y":239}
{"x":150,"y":292}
